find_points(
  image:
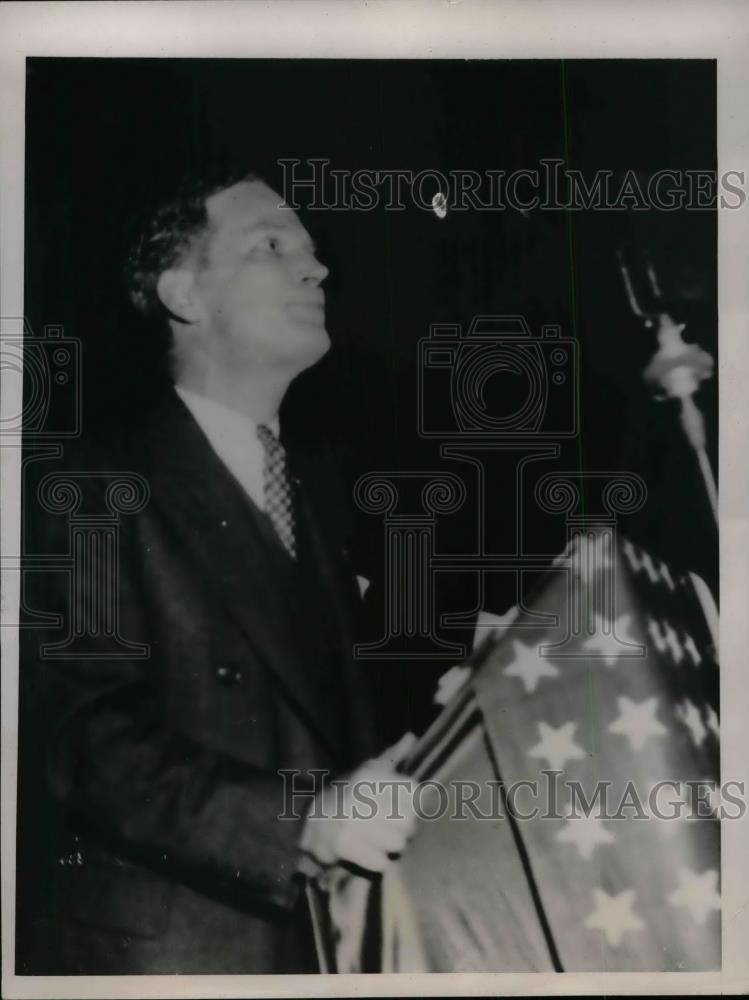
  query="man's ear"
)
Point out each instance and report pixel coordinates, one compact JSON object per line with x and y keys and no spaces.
{"x":176,"y":290}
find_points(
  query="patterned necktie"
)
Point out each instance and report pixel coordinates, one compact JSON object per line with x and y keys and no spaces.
{"x":279,"y":505}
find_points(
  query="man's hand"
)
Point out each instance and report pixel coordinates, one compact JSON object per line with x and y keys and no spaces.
{"x":365,"y":818}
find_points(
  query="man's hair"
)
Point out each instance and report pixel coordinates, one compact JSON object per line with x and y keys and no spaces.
{"x":167,"y":231}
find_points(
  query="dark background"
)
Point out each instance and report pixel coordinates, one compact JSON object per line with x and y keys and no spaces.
{"x":105,"y":136}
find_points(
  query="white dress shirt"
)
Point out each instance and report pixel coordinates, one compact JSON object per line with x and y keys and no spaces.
{"x":233,"y":437}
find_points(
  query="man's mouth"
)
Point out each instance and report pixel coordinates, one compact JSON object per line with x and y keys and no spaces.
{"x":310,"y":314}
{"x":316,"y":303}
{"x":315,"y":308}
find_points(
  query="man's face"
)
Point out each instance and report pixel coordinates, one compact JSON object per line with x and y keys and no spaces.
{"x":257,"y":282}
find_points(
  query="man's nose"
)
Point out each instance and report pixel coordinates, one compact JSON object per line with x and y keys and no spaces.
{"x":312,"y":271}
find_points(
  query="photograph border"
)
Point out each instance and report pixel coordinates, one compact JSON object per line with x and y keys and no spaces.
{"x":465,"y":29}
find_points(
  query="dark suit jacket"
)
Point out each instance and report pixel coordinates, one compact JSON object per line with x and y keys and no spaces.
{"x":151,"y":782}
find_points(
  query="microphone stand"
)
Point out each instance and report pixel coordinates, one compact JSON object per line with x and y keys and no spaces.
{"x":675,"y":371}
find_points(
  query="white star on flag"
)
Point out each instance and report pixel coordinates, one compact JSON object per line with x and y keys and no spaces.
{"x":689,"y":714}
{"x":629,"y":551}
{"x":690,"y":647}
{"x":613,"y":915}
{"x":697,"y":893}
{"x":672,"y":641}
{"x":637,"y":721}
{"x":585,"y":832}
{"x":607,"y":640}
{"x":712,"y":721}
{"x":666,"y":575}
{"x":529,"y":666}
{"x":646,"y":563}
{"x":557,"y":745}
{"x":655,"y":633}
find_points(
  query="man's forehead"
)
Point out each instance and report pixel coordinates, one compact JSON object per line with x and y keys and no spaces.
{"x":248,"y":204}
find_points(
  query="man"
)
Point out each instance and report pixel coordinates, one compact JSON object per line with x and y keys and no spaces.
{"x":163,"y":770}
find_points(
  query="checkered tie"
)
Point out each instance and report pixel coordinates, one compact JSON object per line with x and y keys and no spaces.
{"x":279,"y":505}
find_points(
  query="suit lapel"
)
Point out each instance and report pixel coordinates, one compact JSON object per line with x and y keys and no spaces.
{"x":328,"y":536}
{"x":235,"y":548}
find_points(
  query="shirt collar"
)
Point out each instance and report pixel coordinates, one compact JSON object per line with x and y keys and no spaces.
{"x":209,"y":412}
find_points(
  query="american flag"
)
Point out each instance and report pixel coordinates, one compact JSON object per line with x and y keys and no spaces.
{"x":611,"y":676}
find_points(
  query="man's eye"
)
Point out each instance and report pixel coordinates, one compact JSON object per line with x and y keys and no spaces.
{"x":271,"y":243}
{"x":268,"y":245}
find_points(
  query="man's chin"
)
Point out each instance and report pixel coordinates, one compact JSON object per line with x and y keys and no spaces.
{"x":316,"y":342}
{"x":312,"y":345}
